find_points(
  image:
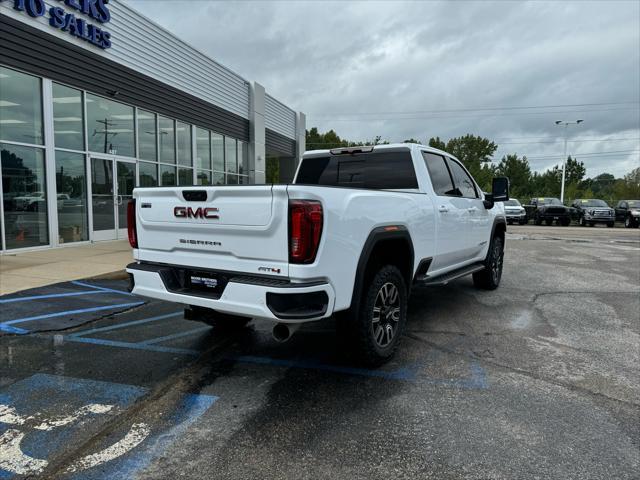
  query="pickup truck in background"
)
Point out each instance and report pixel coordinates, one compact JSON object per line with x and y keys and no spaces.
{"x":350,"y":237}
{"x":548,"y":210}
{"x":591,"y":211}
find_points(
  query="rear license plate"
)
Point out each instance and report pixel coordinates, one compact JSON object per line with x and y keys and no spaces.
{"x":203,"y":281}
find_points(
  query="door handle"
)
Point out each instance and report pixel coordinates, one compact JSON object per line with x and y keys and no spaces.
{"x":443,"y":209}
{"x":472,"y":209}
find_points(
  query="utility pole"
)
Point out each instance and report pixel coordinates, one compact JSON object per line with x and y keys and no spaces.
{"x":564,"y":159}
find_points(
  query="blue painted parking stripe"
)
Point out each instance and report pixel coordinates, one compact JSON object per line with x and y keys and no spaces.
{"x":97,"y":287}
{"x":72,"y":312}
{"x":134,"y":346}
{"x":10,"y":329}
{"x":175,"y":336}
{"x":124,"y":325}
{"x":52,"y":295}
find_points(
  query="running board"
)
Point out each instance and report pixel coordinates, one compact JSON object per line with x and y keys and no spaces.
{"x":427,"y":281}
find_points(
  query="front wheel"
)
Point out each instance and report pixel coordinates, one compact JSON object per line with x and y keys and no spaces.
{"x":376,"y":329}
{"x":629,"y":223}
{"x":489,"y":278}
{"x":610,"y":224}
{"x":549,"y":222}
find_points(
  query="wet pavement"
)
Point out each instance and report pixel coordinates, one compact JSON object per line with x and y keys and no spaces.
{"x":538,"y":379}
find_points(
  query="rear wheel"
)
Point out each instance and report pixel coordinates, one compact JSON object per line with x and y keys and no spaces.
{"x":610,"y":224}
{"x":565,"y":222}
{"x":375,"y":328}
{"x":549,"y":222}
{"x":218,"y":320}
{"x":489,"y":278}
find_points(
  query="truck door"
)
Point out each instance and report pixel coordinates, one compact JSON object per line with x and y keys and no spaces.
{"x":452,"y":215}
{"x":479,"y":218}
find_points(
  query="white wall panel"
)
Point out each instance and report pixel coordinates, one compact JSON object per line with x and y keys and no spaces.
{"x":279,"y":117}
{"x":144,"y":46}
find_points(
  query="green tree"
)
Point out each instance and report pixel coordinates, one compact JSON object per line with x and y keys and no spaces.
{"x":474,"y":152}
{"x":518,"y":171}
{"x":413,"y":140}
{"x":574,"y":171}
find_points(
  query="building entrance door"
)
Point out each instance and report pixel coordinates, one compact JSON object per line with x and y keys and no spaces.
{"x":112,"y":184}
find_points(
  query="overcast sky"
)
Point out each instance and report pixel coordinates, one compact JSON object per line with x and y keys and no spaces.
{"x":423,"y":69}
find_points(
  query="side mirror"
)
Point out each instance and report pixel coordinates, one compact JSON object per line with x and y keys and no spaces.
{"x":499,"y":192}
{"x":500,"y":189}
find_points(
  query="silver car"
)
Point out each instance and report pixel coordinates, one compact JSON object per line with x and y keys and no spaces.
{"x":515,"y":212}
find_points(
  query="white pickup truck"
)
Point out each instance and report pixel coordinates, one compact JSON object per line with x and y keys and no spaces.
{"x":354,"y":232}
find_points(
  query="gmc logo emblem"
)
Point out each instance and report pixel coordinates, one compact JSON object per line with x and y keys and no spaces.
{"x":188,"y":212}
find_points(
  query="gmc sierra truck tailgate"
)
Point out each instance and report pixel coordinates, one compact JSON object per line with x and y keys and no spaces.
{"x":234,"y":228}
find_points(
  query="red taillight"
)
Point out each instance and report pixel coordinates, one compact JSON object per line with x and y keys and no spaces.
{"x":131,"y":224}
{"x":305,"y":229}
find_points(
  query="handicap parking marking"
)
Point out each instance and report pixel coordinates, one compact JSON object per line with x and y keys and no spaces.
{"x":42,"y":415}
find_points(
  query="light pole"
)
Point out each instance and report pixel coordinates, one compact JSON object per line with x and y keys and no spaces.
{"x":564,"y":159}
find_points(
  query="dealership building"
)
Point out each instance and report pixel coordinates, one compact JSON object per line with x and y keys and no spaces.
{"x":96,"y":99}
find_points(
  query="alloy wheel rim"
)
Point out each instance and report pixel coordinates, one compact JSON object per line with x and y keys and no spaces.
{"x":386,"y":315}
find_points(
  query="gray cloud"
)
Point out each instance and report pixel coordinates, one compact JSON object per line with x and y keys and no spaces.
{"x":348,"y":64}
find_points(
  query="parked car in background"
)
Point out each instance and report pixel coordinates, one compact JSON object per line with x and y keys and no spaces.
{"x":27,"y":200}
{"x":591,"y":211}
{"x":515,"y":212}
{"x":628,"y":211}
{"x":549,"y":210}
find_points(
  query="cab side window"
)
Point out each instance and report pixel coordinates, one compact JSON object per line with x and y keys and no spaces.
{"x":439,"y":173}
{"x":462,"y":180}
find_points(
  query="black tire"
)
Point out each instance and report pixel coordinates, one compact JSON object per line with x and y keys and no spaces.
{"x":581,"y":222}
{"x":537,"y":221}
{"x":373,"y":330}
{"x":590,"y":224}
{"x":565,"y":222}
{"x":489,"y":278}
{"x":522,"y":222}
{"x":628,"y":222}
{"x":610,"y":224}
{"x":218,"y":320}
{"x":548,"y":222}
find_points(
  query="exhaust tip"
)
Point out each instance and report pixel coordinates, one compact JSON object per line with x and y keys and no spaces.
{"x":281,"y":332}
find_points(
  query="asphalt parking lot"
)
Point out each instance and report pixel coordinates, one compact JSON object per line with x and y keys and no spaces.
{"x":538,"y":379}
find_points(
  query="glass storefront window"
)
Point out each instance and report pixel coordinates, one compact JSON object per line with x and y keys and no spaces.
{"x":232,"y":179}
{"x":167,"y":176}
{"x":20,"y":107}
{"x":243,"y":168}
{"x":147,"y":136}
{"x":68,"y":114}
{"x":183,"y":131}
{"x":203,"y":149}
{"x":231,"y":158}
{"x":71,"y":197}
{"x":24,"y":196}
{"x":217,"y":151}
{"x":110,"y":126}
{"x":148,"y":174}
{"x":204,"y":177}
{"x":185,"y":176}
{"x":218,"y":178}
{"x":167,"y":133}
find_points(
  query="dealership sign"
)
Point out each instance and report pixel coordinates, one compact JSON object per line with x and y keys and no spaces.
{"x":66,"y":21}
